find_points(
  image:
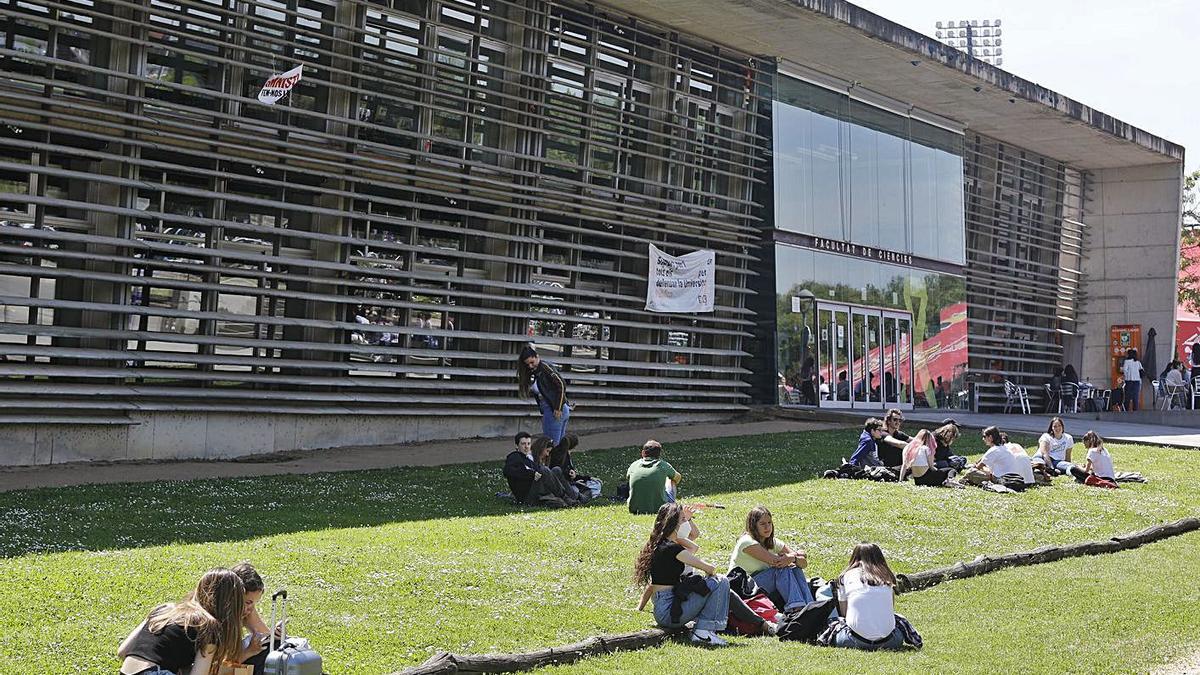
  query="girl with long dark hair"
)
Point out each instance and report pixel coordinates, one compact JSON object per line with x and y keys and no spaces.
{"x":538,"y":377}
{"x":195,"y":635}
{"x":866,"y":596}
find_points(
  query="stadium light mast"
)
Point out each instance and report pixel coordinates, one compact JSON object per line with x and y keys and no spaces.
{"x":979,"y":39}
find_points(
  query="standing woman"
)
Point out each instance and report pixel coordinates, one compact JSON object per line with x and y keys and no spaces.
{"x":1131,"y":370}
{"x":539,"y":378}
{"x":193,"y":636}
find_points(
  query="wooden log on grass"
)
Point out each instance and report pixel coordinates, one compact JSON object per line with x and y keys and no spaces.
{"x":444,"y":662}
{"x":984,"y":564}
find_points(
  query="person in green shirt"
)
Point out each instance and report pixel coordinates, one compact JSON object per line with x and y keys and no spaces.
{"x":652,"y":481}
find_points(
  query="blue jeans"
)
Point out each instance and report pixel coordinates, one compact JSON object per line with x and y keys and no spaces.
{"x":554,"y":428}
{"x":789,"y":582}
{"x":1133,"y":391}
{"x":710,"y":611}
{"x":1063,"y":466}
{"x":845,"y":638}
{"x":669,"y":492}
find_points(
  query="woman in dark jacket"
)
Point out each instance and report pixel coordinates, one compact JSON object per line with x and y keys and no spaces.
{"x":537,"y":377}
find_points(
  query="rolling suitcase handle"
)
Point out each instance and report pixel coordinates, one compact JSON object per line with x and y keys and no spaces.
{"x":281,"y":593}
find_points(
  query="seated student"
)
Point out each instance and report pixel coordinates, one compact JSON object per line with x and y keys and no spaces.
{"x":866,"y":601}
{"x":843,"y":387}
{"x":773,"y":565}
{"x":891,"y":447}
{"x":560,"y":458}
{"x":998,"y":465}
{"x":543,"y":448}
{"x":254,"y":646}
{"x":680,"y":598}
{"x":919,"y":462}
{"x":652,"y":481}
{"x":1023,"y":461}
{"x":191,"y":636}
{"x":528,"y":481}
{"x":867,"y":453}
{"x":944,"y":457}
{"x":1099,"y":462}
{"x":1054,"y":448}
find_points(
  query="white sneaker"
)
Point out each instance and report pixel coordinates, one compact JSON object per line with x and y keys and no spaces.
{"x":707,"y":638}
{"x":770,"y":628}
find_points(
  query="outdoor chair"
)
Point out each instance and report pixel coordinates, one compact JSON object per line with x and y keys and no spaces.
{"x":1068,"y":397}
{"x":1014,"y":394}
{"x":1173,"y":395}
{"x":1051,"y":397}
{"x":793,"y":397}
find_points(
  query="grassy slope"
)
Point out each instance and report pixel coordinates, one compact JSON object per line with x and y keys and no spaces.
{"x":388,"y":566}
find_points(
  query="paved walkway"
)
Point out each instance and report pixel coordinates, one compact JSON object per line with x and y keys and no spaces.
{"x":1149,"y":434}
{"x":370,"y":457}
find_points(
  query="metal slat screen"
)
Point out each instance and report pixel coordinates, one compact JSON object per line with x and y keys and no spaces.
{"x":1025,"y":240}
{"x":448,"y":181}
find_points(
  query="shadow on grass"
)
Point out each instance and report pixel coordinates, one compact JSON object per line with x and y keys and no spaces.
{"x":132,"y":515}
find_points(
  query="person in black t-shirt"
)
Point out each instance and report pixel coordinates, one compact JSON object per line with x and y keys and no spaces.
{"x":195,"y":635}
{"x":891,"y":447}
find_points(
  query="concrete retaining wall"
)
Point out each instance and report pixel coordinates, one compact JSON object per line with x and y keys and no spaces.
{"x":177,"y":436}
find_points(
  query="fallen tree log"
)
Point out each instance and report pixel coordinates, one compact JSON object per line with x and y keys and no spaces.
{"x":983,"y":564}
{"x":445,"y":662}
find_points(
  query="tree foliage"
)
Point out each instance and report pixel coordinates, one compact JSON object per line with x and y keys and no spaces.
{"x":1189,"y":245}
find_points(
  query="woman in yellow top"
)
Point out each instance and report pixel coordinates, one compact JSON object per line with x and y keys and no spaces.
{"x":774,"y":565}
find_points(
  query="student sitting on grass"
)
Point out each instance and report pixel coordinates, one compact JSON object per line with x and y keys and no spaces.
{"x":254,"y":645}
{"x":1054,"y":450}
{"x":529,"y":482}
{"x":944,"y":457}
{"x":652,"y":481}
{"x":1032,"y":472}
{"x":678,"y":597}
{"x":919,"y":462}
{"x":193,"y":636}
{"x":867,"y":452}
{"x":560,"y":458}
{"x":773,"y":565}
{"x":866,"y":593}
{"x":543,"y":448}
{"x":998,"y":465}
{"x":1099,"y":463}
{"x":891,"y":447}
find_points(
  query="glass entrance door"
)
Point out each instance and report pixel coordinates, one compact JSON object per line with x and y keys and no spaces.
{"x":864,"y":357}
{"x":833,"y":355}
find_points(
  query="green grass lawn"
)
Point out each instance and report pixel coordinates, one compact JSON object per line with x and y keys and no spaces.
{"x":387,"y":567}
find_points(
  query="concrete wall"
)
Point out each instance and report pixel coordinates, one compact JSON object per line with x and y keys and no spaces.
{"x":180,"y":436}
{"x":1131,"y":263}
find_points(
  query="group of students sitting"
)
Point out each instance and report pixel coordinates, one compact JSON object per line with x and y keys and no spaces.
{"x":202,"y":634}
{"x":855,"y":610}
{"x":540,"y":473}
{"x":884,"y":452}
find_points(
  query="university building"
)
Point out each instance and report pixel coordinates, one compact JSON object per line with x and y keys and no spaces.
{"x":186,"y":271}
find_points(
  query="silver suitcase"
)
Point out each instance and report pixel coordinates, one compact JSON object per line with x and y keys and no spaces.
{"x":292,"y":656}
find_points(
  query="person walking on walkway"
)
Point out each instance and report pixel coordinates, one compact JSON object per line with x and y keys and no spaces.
{"x":538,"y":377}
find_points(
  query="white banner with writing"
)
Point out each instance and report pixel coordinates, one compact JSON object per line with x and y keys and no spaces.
{"x":680,"y":283}
{"x":278,"y":86}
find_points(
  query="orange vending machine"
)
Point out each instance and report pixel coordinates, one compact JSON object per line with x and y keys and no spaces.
{"x":1122,"y":338}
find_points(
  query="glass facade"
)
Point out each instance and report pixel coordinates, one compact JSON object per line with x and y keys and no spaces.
{"x":848,"y":171}
{"x":937,"y":303}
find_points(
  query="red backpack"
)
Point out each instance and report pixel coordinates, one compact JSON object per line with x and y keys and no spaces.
{"x":762,"y":606}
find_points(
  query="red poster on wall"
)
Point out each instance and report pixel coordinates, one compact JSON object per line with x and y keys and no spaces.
{"x":1122,"y":338}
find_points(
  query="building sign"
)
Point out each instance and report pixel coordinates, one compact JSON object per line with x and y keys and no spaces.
{"x":1122,"y":338}
{"x":278,"y":86}
{"x":680,"y":283}
{"x":861,"y":251}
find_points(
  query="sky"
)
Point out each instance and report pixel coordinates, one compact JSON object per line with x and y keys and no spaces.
{"x":1136,"y":61}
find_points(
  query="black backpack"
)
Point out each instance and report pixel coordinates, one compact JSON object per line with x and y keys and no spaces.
{"x":806,"y":623}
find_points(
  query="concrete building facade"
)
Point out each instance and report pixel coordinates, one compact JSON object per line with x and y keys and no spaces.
{"x":187,"y":272}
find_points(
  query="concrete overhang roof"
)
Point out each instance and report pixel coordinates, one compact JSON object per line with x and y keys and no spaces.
{"x":854,"y":45}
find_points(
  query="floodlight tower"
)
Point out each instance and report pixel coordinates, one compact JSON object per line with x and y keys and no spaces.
{"x":979,"y":39}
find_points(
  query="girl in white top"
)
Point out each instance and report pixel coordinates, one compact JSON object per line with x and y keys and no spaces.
{"x":866,"y":594}
{"x":1131,"y":370}
{"x":1054,"y":450}
{"x":1024,"y":462}
{"x":1099,"y":462}
{"x":919,"y":461}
